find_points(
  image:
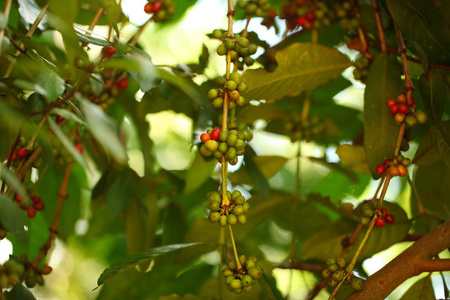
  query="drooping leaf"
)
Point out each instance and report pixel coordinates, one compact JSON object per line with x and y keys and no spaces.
{"x":8,"y":177}
{"x":104,"y":129}
{"x":258,"y":179}
{"x":354,"y":157}
{"x":121,"y":191}
{"x":135,"y":259}
{"x":327,"y":242}
{"x":19,"y":292}
{"x":435,"y":93}
{"x":421,"y":290}
{"x":271,"y":282}
{"x":11,"y":217}
{"x":421,"y":22}
{"x":300,"y":67}
{"x":380,"y":129}
{"x":198,"y":173}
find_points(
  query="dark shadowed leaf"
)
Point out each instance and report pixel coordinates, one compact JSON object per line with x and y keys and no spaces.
{"x":435,"y":93}
{"x":198,"y":173}
{"x":421,"y":290}
{"x":19,"y":292}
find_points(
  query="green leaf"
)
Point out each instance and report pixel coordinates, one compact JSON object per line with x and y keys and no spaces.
{"x":271,"y":282}
{"x":421,"y":290}
{"x":12,"y":181}
{"x":35,"y":102}
{"x":428,"y":152}
{"x":326,"y":243}
{"x":104,"y":129}
{"x":67,"y":114}
{"x":434,"y":92}
{"x":432,"y":184}
{"x":421,"y":22}
{"x":198,"y":173}
{"x":11,"y":217}
{"x":19,"y":292}
{"x":300,"y":67}
{"x":260,"y":182}
{"x":380,"y":129}
{"x":68,"y":144}
{"x":122,"y":191}
{"x":354,"y":157}
{"x":268,"y":164}
{"x":251,"y":113}
{"x":135,"y":259}
{"x":53,"y":85}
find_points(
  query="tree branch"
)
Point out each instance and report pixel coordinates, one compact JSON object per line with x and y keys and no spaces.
{"x":416,"y":259}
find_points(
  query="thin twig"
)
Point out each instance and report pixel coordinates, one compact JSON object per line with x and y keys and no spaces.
{"x":379,"y":25}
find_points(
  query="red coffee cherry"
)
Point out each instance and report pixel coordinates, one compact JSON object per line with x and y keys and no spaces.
{"x":36,"y":199}
{"x":391,"y":102}
{"x":301,"y":21}
{"x":310,"y":16}
{"x":379,"y":222}
{"x":215,"y":134}
{"x":148,"y":8}
{"x":18,"y":198}
{"x":122,"y":84}
{"x":157,"y":6}
{"x":31,"y":212}
{"x":205,"y":137}
{"x":403,"y":108}
{"x":381,"y":169}
{"x":79,"y":148}
{"x":390,"y":219}
{"x":108,"y":51}
{"x":39,"y":206}
{"x":384,"y":212}
{"x":21,"y":152}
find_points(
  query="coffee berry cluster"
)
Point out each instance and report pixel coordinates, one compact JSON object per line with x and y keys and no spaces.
{"x":304,"y":129}
{"x":336,"y":271}
{"x":240,"y":48}
{"x":61,"y":153}
{"x":228,"y":212}
{"x":242,"y":279}
{"x":234,"y":87}
{"x":229,"y":144}
{"x":31,"y":205}
{"x":162,"y":10}
{"x":309,"y":15}
{"x":395,"y":167}
{"x":361,"y":70}
{"x":382,"y":215}
{"x":402,"y":111}
{"x":257,"y":8}
{"x":13,"y":269}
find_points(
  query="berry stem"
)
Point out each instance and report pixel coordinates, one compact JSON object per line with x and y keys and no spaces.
{"x":245,"y":32}
{"x":221,"y":252}
{"x":230,"y":15}
{"x":384,"y":190}
{"x":135,"y":38}
{"x":95,"y":20}
{"x":363,"y":242}
{"x":27,"y":35}
{"x":338,"y":287}
{"x":399,"y":139}
{"x":379,"y":25}
{"x":378,"y":189}
{"x":236,"y":256}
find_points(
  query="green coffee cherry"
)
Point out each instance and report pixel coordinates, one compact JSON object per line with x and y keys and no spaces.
{"x":232,"y":264}
{"x":341,"y":262}
{"x":246,"y":280}
{"x":243,"y":42}
{"x":211,"y":145}
{"x":229,"y":44}
{"x":246,"y":207}
{"x":255,"y":273}
{"x":232,"y":140}
{"x":214,"y":216}
{"x":231,"y":85}
{"x":250,"y":263}
{"x":236,"y":77}
{"x":223,"y":147}
{"x":242,"y":219}
{"x":242,"y":259}
{"x":333,"y":267}
{"x":223,"y":221}
{"x":214,"y":206}
{"x":229,"y":278}
{"x":204,"y":151}
{"x":214,"y":196}
{"x":212,"y":94}
{"x":357,"y":283}
{"x":217,"y":34}
{"x":421,"y":116}
{"x":223,"y":136}
{"x":227,"y":272}
{"x":218,"y":102}
{"x":236,"y":194}
{"x":222,"y":50}
{"x":232,"y":219}
{"x":242,"y":87}
{"x":238,"y":210}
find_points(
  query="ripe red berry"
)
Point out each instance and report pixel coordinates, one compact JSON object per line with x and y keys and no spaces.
{"x":21,"y":152}
{"x":301,"y":21}
{"x":402,"y":171}
{"x":79,"y":148}
{"x":379,"y":222}
{"x":390,"y":219}
{"x":412,"y":102}
{"x":148,"y":8}
{"x":384,"y":212}
{"x":215,"y":134}
{"x":391,"y":102}
{"x":403,"y":108}
{"x":394,"y":108}
{"x":157,"y":6}
{"x":205,"y":137}
{"x":122,"y":84}
{"x":387,"y":161}
{"x":108,"y":51}
{"x":39,"y":206}
{"x":310,"y":16}
{"x":18,"y":198}
{"x":36,"y":199}
{"x":31,"y":212}
{"x":381,"y":169}
{"x":59,"y":118}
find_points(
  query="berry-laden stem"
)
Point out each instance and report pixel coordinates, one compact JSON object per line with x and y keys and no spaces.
{"x":136,"y":37}
{"x":338,"y":287}
{"x":379,"y":25}
{"x":222,"y":254}
{"x":352,"y":263}
{"x":62,"y":194}
{"x":399,"y":139}
{"x":27,"y":35}
{"x":384,"y":190}
{"x":378,"y":189}
{"x":95,"y":20}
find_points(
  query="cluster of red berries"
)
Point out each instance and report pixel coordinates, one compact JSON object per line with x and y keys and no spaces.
{"x":402,"y":111}
{"x":336,"y":271}
{"x":162,"y":10}
{"x":20,"y":152}
{"x":32,"y":206}
{"x":108,"y":51}
{"x":396,"y":166}
{"x":382,"y":215}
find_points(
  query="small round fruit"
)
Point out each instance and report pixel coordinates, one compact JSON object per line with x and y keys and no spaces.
{"x":255,"y":273}
{"x":232,"y":264}
{"x":338,"y":275}
{"x":235,"y":284}
{"x":246,"y":207}
{"x":218,"y":102}
{"x":391,"y":102}
{"x":229,"y":44}
{"x":227,"y":272}
{"x":45,"y":270}
{"x":31,"y":212}
{"x":211,"y":145}
{"x":326,"y":273}
{"x":250,"y":263}
{"x":393,"y":108}
{"x":393,"y":171}
{"x":411,"y":120}
{"x":390,"y":219}
{"x":384,"y":212}
{"x":215,"y":134}
{"x":232,"y":219}
{"x":229,"y":278}
{"x":214,"y":196}
{"x":242,"y":87}
{"x":333,"y":267}
{"x":221,"y":50}
{"x":204,"y":151}
{"x":232,"y":140}
{"x":157,"y":6}
{"x":238,"y":210}
{"x":403,"y":108}
{"x":364,"y":220}
{"x":214,"y":216}
{"x":421,"y":116}
{"x":341,"y":262}
{"x":223,"y":136}
{"x":401,"y":98}
{"x":223,"y":147}
{"x":236,"y":77}
{"x":39,"y":206}
{"x":122,"y":84}
{"x":214,"y":206}
{"x":213,"y":94}
{"x":402,"y":171}
{"x":217,"y":34}
{"x":379,"y":222}
{"x":234,"y":95}
{"x":243,"y":42}
{"x":246,"y":280}
{"x":223,"y":221}
{"x":242,"y":219}
{"x":79,"y":148}
{"x":205,"y":137}
{"x":399,"y":117}
{"x":231,"y":85}
{"x":21,"y":152}
{"x":357,"y":284}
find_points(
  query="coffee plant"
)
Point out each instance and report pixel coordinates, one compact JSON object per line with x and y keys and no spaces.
{"x":285,"y":182}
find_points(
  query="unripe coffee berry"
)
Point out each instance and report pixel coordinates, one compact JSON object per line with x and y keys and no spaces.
{"x":236,"y":77}
{"x":212,"y":94}
{"x":246,"y":280}
{"x":234,"y":95}
{"x":399,"y":117}
{"x":231,"y":85}
{"x":421,"y":116}
{"x":214,"y":216}
{"x":242,"y":219}
{"x":411,"y":120}
{"x":232,"y":219}
{"x":211,"y":145}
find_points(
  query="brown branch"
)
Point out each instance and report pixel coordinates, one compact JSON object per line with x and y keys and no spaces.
{"x":26,"y":166}
{"x":379,"y":25}
{"x":416,"y":259}
{"x":62,"y":195}
{"x":298,"y":265}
